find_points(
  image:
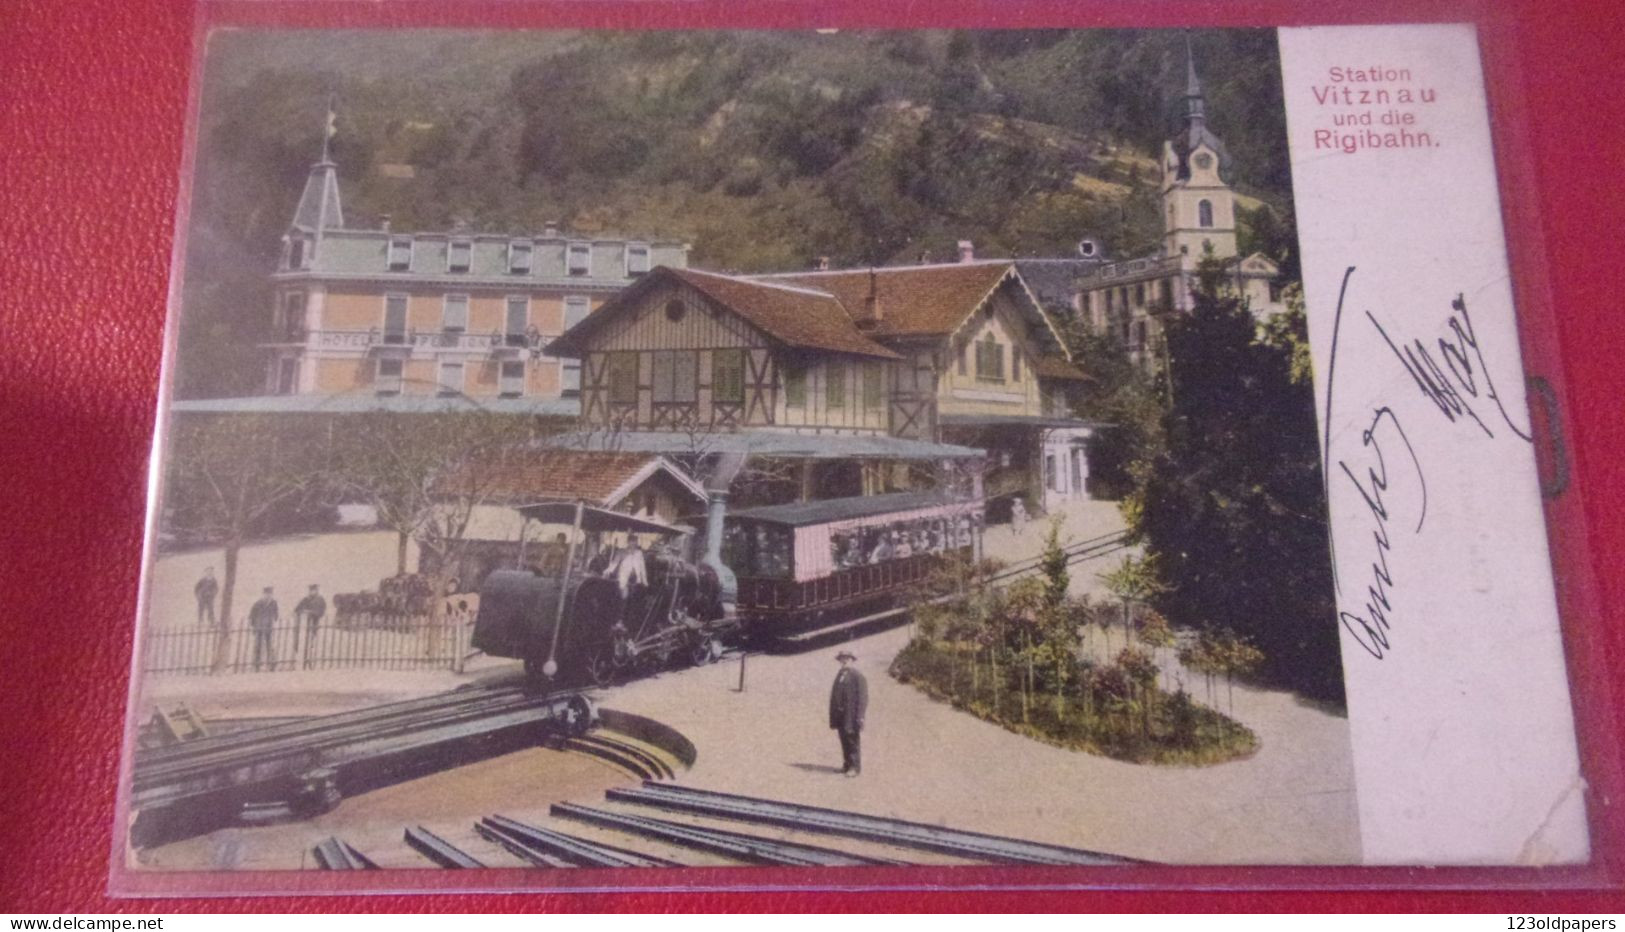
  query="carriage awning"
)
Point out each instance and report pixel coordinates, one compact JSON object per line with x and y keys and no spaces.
{"x":595,"y":519}
{"x":770,"y":443}
{"x":830,"y":510}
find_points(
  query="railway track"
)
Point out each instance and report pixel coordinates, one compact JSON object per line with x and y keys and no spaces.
{"x":680,"y":822}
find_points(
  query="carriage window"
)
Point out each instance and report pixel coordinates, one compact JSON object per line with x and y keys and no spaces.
{"x":728,"y":375}
{"x":675,"y":376}
{"x":874,"y":385}
{"x":795,"y":387}
{"x":623,"y":378}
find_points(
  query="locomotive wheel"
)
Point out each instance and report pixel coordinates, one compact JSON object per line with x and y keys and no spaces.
{"x":601,"y":665}
{"x":706,"y":650}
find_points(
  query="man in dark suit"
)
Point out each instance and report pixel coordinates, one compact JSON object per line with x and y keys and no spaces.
{"x":848,"y":701}
{"x":262,"y":618}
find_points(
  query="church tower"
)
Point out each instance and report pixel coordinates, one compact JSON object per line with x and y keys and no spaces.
{"x":1199,"y":209}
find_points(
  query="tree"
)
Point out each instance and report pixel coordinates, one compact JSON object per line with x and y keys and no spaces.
{"x":226,"y":474}
{"x":1233,"y":509}
{"x":427,"y":476}
{"x":1052,"y":567}
{"x":1134,"y":580}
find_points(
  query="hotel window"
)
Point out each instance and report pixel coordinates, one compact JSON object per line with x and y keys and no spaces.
{"x":576,"y":309}
{"x":451,"y":377}
{"x":795,"y":387}
{"x":1167,"y":292}
{"x":580,"y":258}
{"x":963,"y":351}
{"x":395,"y":319}
{"x":1139,"y":334}
{"x":296,"y":253}
{"x":388,"y":381}
{"x":728,"y":376}
{"x":459,"y":255}
{"x":623,"y":378}
{"x":293,"y":316}
{"x":1110,"y":301}
{"x":834,"y":385}
{"x":517,"y":321}
{"x":874,"y":386}
{"x":519,"y":257}
{"x":511,"y":380}
{"x":637,"y":259}
{"x":675,"y":376}
{"x":1275,"y":292}
{"x":1139,"y":294}
{"x":1015,"y":364}
{"x":400,"y":253}
{"x":287,"y":376}
{"x":454,"y":319}
{"x":1204,"y":213}
{"x":990,"y":360}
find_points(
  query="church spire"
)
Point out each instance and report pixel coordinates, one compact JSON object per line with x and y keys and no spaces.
{"x":1195,"y":102}
{"x":319,"y":206}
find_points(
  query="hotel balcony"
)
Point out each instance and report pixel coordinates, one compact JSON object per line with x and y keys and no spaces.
{"x":406,"y":342}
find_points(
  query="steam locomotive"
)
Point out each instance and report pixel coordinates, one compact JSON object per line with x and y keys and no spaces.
{"x":760,"y":571}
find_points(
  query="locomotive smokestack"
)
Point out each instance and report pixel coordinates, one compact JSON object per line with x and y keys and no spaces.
{"x":716,"y":493}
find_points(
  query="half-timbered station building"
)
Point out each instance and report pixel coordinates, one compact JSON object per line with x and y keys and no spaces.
{"x":928,"y":362}
{"x":395,"y":313}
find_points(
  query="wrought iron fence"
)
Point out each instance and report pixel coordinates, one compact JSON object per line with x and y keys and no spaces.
{"x":397,"y":643}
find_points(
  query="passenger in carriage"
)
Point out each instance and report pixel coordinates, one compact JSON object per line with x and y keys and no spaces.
{"x":554,"y":555}
{"x":884,"y":550}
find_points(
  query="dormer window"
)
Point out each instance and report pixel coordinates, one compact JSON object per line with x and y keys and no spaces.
{"x":400,"y":253}
{"x":459,"y":255}
{"x":637,"y":259}
{"x":580,"y":258}
{"x":296,"y":253}
{"x":519,"y":257}
{"x":990,"y":360}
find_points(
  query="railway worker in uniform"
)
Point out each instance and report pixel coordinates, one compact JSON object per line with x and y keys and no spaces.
{"x":262,"y":618}
{"x":205,"y":591}
{"x":848,"y":701}
{"x":313,"y":608}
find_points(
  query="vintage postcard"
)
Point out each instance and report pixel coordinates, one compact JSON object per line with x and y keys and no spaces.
{"x":831,"y":449}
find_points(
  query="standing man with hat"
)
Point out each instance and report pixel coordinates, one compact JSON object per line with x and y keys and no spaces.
{"x":848,"y":701}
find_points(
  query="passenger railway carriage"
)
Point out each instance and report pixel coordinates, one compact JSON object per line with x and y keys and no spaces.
{"x":808,"y":564}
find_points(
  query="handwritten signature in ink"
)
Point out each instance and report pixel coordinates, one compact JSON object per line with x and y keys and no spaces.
{"x":1455,"y":386}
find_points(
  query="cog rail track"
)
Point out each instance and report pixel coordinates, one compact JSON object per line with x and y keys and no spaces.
{"x":897,"y":832}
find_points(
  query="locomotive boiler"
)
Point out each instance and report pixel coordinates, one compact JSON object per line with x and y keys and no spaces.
{"x":624,"y":595}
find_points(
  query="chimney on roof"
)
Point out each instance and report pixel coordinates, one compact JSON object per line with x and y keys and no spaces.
{"x":550,"y":228}
{"x":925,"y":257}
{"x":821,"y":263}
{"x":383,"y":222}
{"x":967,"y":251}
{"x":459,"y":225}
{"x":872,"y":312}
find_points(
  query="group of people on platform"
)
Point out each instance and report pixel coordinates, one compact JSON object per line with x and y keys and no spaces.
{"x":263,"y":615}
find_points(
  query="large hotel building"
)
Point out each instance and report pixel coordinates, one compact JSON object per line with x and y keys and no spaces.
{"x":385,"y":313}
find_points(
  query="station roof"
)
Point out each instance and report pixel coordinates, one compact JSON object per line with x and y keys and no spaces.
{"x":572,"y":475}
{"x":768,"y":443}
{"x":357,"y":402}
{"x":825,"y":511}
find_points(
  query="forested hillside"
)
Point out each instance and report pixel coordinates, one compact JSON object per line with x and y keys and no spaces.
{"x":762,"y":149}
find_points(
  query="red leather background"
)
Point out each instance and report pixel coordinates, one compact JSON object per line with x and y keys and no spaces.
{"x":91,"y":143}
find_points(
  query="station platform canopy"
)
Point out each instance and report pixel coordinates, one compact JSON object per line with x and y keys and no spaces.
{"x":361,"y":402}
{"x":767,"y":443}
{"x":1015,"y":420}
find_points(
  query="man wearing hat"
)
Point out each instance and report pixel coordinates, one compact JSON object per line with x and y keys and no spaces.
{"x":848,"y":700}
